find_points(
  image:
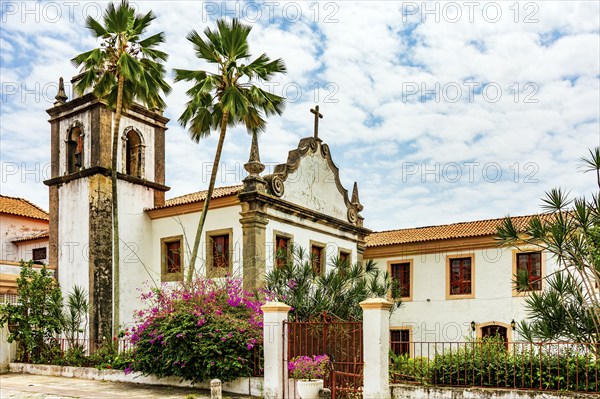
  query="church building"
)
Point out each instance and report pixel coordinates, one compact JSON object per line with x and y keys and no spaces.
{"x":455,"y":281}
{"x":303,"y":202}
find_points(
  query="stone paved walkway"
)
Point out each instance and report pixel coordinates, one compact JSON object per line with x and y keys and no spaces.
{"x":27,"y":386}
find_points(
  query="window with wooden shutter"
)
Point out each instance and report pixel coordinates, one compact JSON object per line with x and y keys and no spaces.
{"x":531,"y":263}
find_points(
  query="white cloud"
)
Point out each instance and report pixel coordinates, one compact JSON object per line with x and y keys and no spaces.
{"x":371,"y":56}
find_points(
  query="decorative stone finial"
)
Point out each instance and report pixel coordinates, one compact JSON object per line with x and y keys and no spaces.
{"x":61,"y":97}
{"x":355,"y":200}
{"x":254,"y":182}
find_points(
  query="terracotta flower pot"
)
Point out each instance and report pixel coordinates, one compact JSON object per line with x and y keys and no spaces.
{"x":309,"y":389}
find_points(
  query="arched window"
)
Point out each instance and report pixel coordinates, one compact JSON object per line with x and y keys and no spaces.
{"x":74,"y":150}
{"x":134,"y":153}
{"x":494,"y":330}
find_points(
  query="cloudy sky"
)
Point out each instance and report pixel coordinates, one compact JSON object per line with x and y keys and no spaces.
{"x":441,"y":111}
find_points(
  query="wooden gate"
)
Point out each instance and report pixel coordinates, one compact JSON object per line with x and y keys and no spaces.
{"x":342,"y":341}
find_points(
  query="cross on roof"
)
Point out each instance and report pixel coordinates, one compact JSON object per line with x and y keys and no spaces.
{"x":317,"y":116}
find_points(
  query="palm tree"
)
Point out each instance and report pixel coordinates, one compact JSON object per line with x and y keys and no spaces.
{"x":123,"y":69}
{"x":227,"y":97}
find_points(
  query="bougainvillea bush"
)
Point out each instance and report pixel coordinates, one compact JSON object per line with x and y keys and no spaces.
{"x":208,"y":331}
{"x":308,"y":368}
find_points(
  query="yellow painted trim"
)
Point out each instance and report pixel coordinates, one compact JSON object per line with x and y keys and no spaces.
{"x":376,"y":303}
{"x":480,"y":326}
{"x":35,"y":265}
{"x":516,"y":293}
{"x":411,"y":263}
{"x":275,"y":307}
{"x":177,"y":210}
{"x":410,"y":337}
{"x":473,"y":268}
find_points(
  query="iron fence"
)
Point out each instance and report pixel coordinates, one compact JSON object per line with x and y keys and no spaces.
{"x":342,"y":341}
{"x":88,"y":346}
{"x":492,"y":363}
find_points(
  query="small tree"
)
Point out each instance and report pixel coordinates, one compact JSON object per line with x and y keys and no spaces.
{"x":569,"y":229}
{"x":35,"y":320}
{"x":337,"y":292}
{"x":74,"y":320}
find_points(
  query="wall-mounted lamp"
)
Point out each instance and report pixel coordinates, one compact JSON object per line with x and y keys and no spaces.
{"x":513,"y":324}
{"x":473,"y":326}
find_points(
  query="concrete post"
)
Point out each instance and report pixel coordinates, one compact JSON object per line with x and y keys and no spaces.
{"x":275,"y":346}
{"x":215,"y":389}
{"x":376,"y":347}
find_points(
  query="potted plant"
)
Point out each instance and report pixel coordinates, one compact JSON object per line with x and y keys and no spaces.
{"x":309,"y":373}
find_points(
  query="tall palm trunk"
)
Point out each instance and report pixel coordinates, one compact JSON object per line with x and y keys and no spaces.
{"x":211,"y":186}
{"x":115,"y":205}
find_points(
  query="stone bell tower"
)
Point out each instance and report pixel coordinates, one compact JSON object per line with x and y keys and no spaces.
{"x":81,"y":198}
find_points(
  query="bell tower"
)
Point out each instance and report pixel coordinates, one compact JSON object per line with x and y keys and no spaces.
{"x":81,"y":198}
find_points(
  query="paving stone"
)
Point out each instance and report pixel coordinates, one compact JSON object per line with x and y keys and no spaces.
{"x":26,"y":386}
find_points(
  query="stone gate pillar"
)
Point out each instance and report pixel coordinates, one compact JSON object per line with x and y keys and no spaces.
{"x":376,"y":348}
{"x":275,"y":346}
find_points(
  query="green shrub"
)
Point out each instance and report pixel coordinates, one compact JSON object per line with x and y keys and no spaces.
{"x":493,"y":363}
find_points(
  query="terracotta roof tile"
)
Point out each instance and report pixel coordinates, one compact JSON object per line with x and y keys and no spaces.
{"x":21,"y":207}
{"x":198,"y":196}
{"x":457,"y":230}
{"x":42,"y":234}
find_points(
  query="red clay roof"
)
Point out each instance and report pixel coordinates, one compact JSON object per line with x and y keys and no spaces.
{"x":430,"y":233}
{"x":21,"y":207}
{"x":198,"y":196}
{"x":42,"y":234}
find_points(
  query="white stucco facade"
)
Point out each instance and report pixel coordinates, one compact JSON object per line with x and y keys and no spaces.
{"x":73,"y":240}
{"x":433,"y":315}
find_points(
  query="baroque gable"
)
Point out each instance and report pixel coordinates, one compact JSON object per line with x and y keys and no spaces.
{"x":311,"y":179}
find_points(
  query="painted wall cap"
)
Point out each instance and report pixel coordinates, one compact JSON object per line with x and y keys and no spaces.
{"x":275,"y":307}
{"x":376,"y":303}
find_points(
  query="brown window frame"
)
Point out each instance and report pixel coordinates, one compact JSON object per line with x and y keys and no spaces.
{"x":211,"y":269}
{"x":277,"y":235}
{"x":165,"y":274}
{"x":535,"y":282}
{"x":404,"y":273}
{"x":345,"y":252}
{"x":462,"y":280}
{"x":322,"y":256}
{"x":403,"y":345}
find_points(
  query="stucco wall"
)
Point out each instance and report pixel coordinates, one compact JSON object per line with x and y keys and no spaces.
{"x":136,"y":256}
{"x":73,"y":240}
{"x":13,"y":227}
{"x":432,"y":317}
{"x":333,"y":238}
{"x":217,"y":219}
{"x":313,"y":186}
